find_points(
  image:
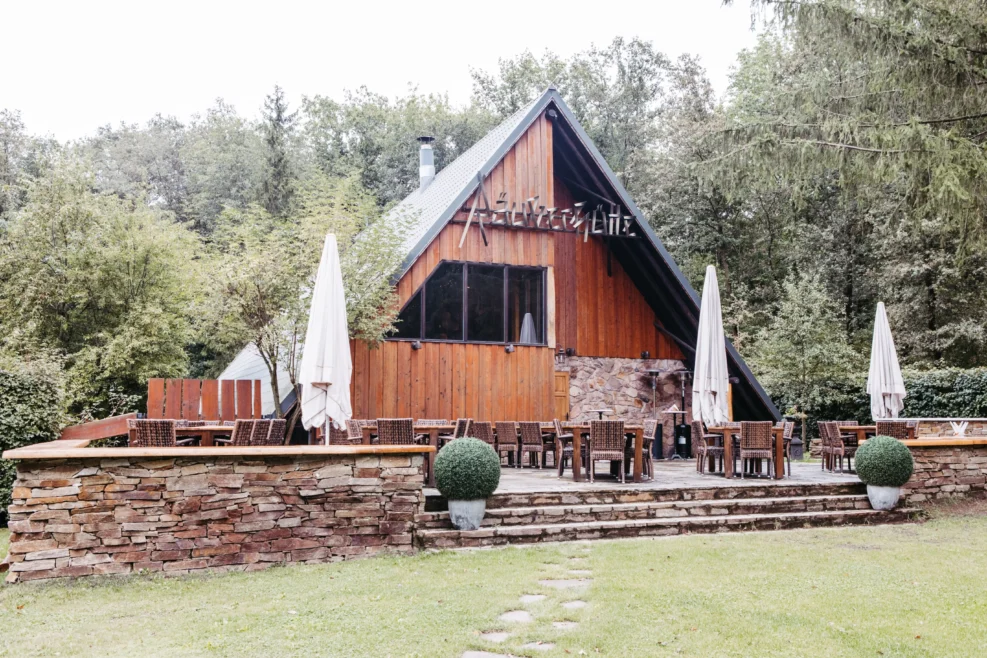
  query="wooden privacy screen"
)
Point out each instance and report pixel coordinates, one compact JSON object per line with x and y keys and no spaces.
{"x":203,"y":399}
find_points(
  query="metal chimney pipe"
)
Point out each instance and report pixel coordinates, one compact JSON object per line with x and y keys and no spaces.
{"x":426,"y":162}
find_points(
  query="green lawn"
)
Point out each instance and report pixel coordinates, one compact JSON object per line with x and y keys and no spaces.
{"x":913,"y":590}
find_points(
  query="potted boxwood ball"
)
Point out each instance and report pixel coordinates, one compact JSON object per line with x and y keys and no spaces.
{"x":884,"y":464}
{"x":467,"y":471}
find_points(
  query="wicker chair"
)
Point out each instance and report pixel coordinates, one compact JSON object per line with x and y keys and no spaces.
{"x":396,"y":431}
{"x":240,"y":436}
{"x":463,"y":426}
{"x":788,"y":430}
{"x":430,"y":422}
{"x":563,"y":446}
{"x":897,"y":429}
{"x":647,"y":461}
{"x":277,"y":436}
{"x":262,"y":428}
{"x":827,"y":431}
{"x":506,"y":442}
{"x":531,"y":442}
{"x":606,"y":441}
{"x":484,"y":432}
{"x":840,"y":446}
{"x":354,"y":431}
{"x":156,"y":434}
{"x":756,"y":443}
{"x":704,"y":444}
{"x":340,"y":437}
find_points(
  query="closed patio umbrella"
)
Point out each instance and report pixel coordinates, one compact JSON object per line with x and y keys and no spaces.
{"x":326,"y":367}
{"x":884,"y":382}
{"x":710,"y":382}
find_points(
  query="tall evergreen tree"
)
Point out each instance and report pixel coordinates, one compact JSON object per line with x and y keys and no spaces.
{"x":278,"y":188}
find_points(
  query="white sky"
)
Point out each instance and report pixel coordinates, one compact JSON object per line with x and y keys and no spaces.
{"x":73,"y":66}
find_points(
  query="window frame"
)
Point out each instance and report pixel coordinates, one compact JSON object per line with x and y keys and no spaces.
{"x":465,"y":322}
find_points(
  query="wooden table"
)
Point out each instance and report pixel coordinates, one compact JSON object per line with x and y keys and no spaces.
{"x":433,"y":432}
{"x":580,"y":429}
{"x":728,"y":432}
{"x":207,"y":432}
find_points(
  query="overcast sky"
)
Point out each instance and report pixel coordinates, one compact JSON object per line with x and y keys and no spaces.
{"x":73,"y":66}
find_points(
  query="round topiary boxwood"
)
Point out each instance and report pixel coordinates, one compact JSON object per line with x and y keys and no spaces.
{"x":467,"y":469}
{"x":884,"y":461}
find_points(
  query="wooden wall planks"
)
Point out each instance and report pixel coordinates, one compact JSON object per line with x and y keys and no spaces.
{"x":598,"y":315}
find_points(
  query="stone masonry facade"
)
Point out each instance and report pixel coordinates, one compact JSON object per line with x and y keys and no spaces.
{"x":80,"y":517}
{"x":943,"y":429}
{"x":624,"y":386}
{"x":947,"y":472}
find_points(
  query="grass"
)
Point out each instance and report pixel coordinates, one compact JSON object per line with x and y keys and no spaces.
{"x":912,"y":590}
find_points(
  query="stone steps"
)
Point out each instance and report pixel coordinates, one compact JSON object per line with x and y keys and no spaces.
{"x":498,"y":535}
{"x":614,"y":495}
{"x":588,"y":513}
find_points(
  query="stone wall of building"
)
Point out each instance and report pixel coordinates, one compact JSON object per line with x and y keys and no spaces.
{"x":80,"y":517}
{"x":624,"y":386}
{"x":947,"y":471}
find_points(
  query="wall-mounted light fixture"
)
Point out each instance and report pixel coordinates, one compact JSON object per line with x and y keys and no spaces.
{"x":416,"y":344}
{"x":560,"y":356}
{"x":645,"y":355}
{"x":570,"y":351}
{"x":509,"y":349}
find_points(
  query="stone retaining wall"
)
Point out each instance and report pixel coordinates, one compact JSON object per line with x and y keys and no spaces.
{"x":80,"y":517}
{"x":947,"y":471}
{"x":942,"y":429}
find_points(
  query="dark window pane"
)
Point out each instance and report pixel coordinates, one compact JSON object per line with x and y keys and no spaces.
{"x":485,"y":303}
{"x":409,"y":324}
{"x":525,"y":306}
{"x":444,"y":303}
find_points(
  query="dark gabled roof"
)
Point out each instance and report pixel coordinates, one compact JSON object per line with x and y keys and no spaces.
{"x":647,"y":261}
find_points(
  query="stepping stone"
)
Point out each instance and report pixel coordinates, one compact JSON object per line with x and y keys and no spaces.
{"x":517,"y":616}
{"x":495,"y":636}
{"x":565,"y":584}
{"x":532,"y":598}
{"x":484,"y":654}
{"x":580,"y":572}
{"x":574,"y":605}
{"x":538,"y":646}
{"x":565,"y":625}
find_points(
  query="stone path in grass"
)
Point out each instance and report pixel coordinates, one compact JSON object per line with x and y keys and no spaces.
{"x":568,"y":576}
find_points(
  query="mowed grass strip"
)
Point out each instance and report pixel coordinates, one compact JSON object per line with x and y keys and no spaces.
{"x":914,"y":590}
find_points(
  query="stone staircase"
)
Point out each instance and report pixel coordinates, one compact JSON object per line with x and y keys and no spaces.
{"x":522,"y":518}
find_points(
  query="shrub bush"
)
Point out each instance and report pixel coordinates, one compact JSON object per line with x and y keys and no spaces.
{"x":884,"y":462}
{"x":467,"y":469}
{"x":30,"y":412}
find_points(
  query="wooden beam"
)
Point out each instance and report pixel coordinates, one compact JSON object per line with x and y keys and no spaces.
{"x":98,"y":429}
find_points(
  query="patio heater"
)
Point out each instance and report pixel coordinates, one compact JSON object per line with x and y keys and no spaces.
{"x":657,"y":450}
{"x":683,"y":433}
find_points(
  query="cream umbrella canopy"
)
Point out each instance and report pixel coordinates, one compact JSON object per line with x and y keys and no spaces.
{"x":884,"y":382}
{"x":326,"y":367}
{"x":710,"y":382}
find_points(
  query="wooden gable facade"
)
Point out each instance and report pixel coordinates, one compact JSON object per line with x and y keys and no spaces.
{"x":592,"y":306}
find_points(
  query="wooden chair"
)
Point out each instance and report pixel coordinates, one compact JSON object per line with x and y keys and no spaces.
{"x":532,"y":442}
{"x":647,"y":462}
{"x":701,"y":443}
{"x":897,"y":429}
{"x":156,"y":434}
{"x":606,"y":441}
{"x":463,"y":426}
{"x":484,"y":432}
{"x":563,"y":446}
{"x":507,"y":442}
{"x":241,"y":435}
{"x":756,"y":438}
{"x":396,"y":431}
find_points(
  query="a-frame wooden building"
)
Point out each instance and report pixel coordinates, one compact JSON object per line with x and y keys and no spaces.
{"x":534,"y":288}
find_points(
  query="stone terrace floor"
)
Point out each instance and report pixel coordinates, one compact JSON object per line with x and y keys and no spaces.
{"x":674,"y":474}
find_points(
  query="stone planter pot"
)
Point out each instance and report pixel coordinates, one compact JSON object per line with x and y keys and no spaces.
{"x":467,"y":514}
{"x":883,"y":498}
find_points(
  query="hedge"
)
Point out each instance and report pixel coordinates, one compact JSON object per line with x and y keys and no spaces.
{"x":30,"y":412}
{"x":931,"y":394}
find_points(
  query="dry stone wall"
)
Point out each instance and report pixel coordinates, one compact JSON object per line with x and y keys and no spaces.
{"x":947,"y":472}
{"x":81,"y":517}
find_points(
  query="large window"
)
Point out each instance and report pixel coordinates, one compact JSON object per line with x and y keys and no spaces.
{"x":477,"y":303}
